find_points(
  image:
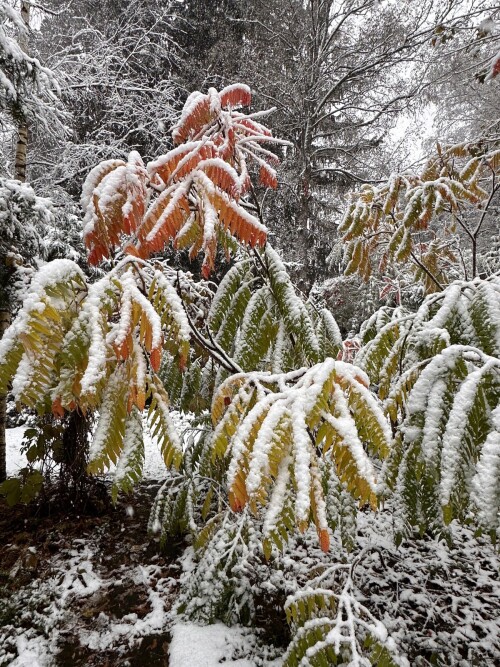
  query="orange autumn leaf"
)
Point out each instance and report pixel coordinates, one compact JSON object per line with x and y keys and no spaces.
{"x":155,"y":359}
{"x":268,"y":177}
{"x":234,"y":503}
{"x":181,"y":161}
{"x":114,"y":200}
{"x":236,"y":95}
{"x":57,"y":408}
{"x":324,"y":540}
{"x":140,"y":399}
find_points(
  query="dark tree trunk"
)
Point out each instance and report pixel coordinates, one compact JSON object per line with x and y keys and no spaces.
{"x":4,"y":323}
{"x":75,"y":456}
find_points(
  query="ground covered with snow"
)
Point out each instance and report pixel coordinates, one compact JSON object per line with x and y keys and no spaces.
{"x":84,"y":590}
{"x":15,"y":456}
{"x":154,"y":467}
{"x":99,"y":591}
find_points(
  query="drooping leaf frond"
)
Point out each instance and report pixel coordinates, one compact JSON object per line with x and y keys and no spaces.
{"x":221,"y":586}
{"x":438,"y":372}
{"x":189,"y":195}
{"x":291,"y":307}
{"x":261,"y":322}
{"x":161,"y":425}
{"x":331,"y":627}
{"x":29,"y":349}
{"x":193,"y":494}
{"x":114,"y":200}
{"x":449,"y":425}
{"x":328,"y":334}
{"x":466,"y":313}
{"x":240,"y":274}
{"x":129,"y":465}
{"x":98,"y":347}
{"x":272,"y":426}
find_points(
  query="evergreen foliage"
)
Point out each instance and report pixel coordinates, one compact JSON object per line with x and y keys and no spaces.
{"x":27,"y":88}
{"x":26,"y":223}
{"x":30,"y":234}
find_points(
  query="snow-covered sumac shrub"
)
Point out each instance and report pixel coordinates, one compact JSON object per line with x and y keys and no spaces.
{"x":291,"y":425}
{"x":98,"y":346}
{"x":438,"y":373}
{"x":288,"y":420}
{"x":428,"y":221}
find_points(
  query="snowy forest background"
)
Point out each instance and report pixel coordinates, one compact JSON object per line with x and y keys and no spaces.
{"x":267,"y":423}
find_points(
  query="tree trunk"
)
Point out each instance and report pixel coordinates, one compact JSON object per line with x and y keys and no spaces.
{"x":21,"y":151}
{"x":4,"y":323}
{"x":20,"y":175}
{"x":75,"y":452}
{"x":305,"y":222}
{"x":22,"y":128}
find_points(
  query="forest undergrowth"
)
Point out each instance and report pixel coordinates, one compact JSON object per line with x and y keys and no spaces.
{"x":99,"y":590}
{"x":85,"y":590}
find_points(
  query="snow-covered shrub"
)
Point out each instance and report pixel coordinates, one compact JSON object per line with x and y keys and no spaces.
{"x":290,"y":435}
{"x":437,"y":371}
{"x":79,"y":345}
{"x":332,"y":626}
{"x":410,"y":219}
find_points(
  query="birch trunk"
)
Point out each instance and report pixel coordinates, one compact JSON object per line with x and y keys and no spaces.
{"x":22,"y":129}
